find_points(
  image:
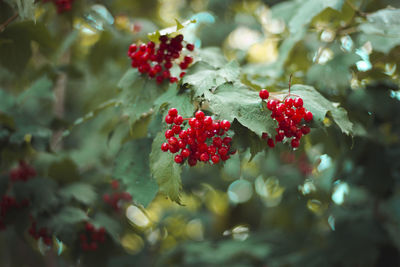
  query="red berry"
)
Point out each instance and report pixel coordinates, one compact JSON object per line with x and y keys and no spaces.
{"x":169,"y":133}
{"x":264,"y":136}
{"x":176,"y":129}
{"x":225,"y":125}
{"x":199,"y":115}
{"x":308,"y":116}
{"x":178,"y":120}
{"x":182,"y":74}
{"x":173,"y":112}
{"x":271,"y":104}
{"x":188,"y":60}
{"x":192,"y":161}
{"x":298,"y":102}
{"x":223,"y":151}
{"x":190,"y":47}
{"x":289,"y":102}
{"x":227,"y":140}
{"x":185,"y":153}
{"x":264,"y":94}
{"x":215,"y":159}
{"x":305,"y":130}
{"x":173,"y":141}
{"x":169,"y":119}
{"x":295,"y":142}
{"x":165,"y":147}
{"x":183,"y":65}
{"x":178,"y":159}
{"x":270,"y":142}
{"x":204,"y":157}
{"x":132,"y":48}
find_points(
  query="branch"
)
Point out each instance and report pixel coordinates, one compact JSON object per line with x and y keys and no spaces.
{"x":358,"y":11}
{"x":8,"y":21}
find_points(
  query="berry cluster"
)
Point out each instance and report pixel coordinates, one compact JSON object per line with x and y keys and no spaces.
{"x":8,"y":204}
{"x":116,"y":198}
{"x":40,"y":233}
{"x":62,"y":5}
{"x":289,"y":114}
{"x":92,"y":237}
{"x":202,"y":141}
{"x":157,"y":60}
{"x":22,"y":173}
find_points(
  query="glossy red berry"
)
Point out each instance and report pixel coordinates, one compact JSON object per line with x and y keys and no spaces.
{"x":298,"y":102}
{"x":199,"y":115}
{"x":178,"y":159}
{"x":165,"y":147}
{"x":264,"y":94}
{"x":308,"y":116}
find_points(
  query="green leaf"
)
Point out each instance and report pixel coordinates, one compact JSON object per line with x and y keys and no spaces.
{"x":66,"y":217}
{"x":64,"y":171}
{"x":234,"y":101}
{"x":181,"y":101}
{"x":138,"y":94}
{"x":164,"y":170}
{"x":379,"y":43}
{"x":112,"y":226}
{"x":384,"y":22}
{"x":41,"y":191}
{"x":15,"y":44}
{"x":26,"y":9}
{"x":81,"y":192}
{"x":335,"y":74}
{"x":204,"y":79}
{"x":308,"y":10}
{"x":131,"y":166}
{"x":320,"y":106}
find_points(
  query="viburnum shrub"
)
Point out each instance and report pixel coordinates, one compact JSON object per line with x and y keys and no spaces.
{"x":42,"y":233}
{"x":116,"y":198}
{"x":156,"y":60}
{"x":23,"y":172}
{"x":9,"y":204}
{"x":62,"y":5}
{"x":92,"y":237}
{"x":204,"y":140}
{"x":291,"y":117}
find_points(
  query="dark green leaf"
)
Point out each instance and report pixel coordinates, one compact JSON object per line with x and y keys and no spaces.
{"x":131,"y":166}
{"x":165,"y":171}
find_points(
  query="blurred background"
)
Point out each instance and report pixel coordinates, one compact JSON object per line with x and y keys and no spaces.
{"x":335,"y":201}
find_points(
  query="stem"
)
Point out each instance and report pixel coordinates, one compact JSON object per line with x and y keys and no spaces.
{"x":358,"y":11}
{"x":290,"y":82}
{"x":8,"y":21}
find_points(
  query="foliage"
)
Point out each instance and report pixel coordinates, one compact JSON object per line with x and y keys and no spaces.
{"x":73,"y":108}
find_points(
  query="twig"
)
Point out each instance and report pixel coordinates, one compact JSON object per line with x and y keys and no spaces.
{"x":8,"y":21}
{"x":358,"y":11}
